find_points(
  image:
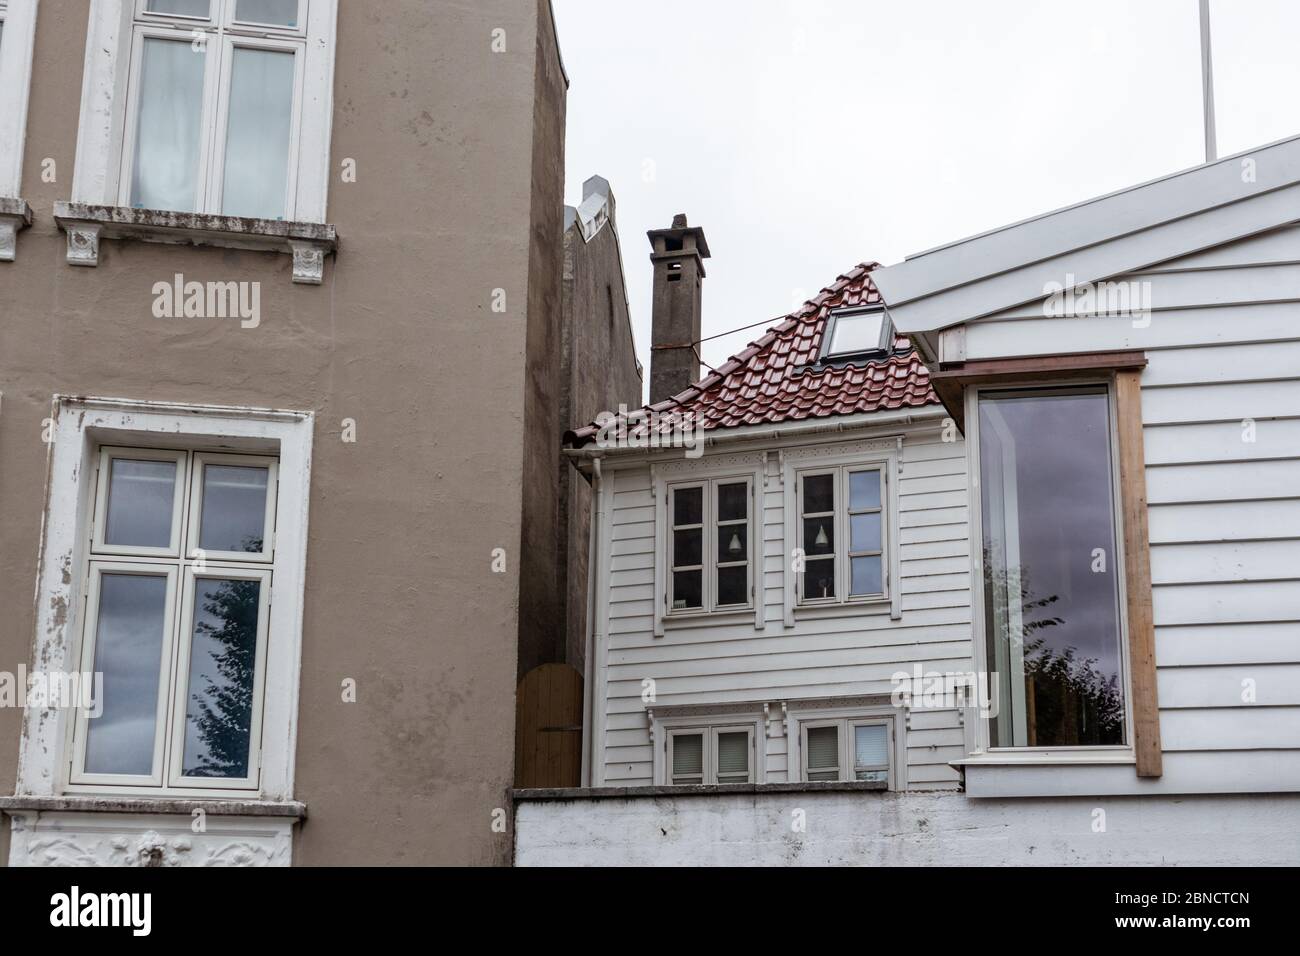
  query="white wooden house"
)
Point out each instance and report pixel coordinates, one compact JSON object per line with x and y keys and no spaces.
{"x":1085,"y":433}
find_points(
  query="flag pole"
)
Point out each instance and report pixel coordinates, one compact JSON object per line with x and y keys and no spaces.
{"x":1207,"y":85}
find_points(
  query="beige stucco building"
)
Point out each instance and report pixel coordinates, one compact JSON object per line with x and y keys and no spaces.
{"x":281,"y":382}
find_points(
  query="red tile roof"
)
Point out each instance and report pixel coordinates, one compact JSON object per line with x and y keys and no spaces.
{"x":775,"y":379}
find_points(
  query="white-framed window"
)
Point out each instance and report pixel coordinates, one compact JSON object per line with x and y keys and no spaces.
{"x":219,"y":107}
{"x":711,"y":755}
{"x":846,"y":749}
{"x":842,"y":534}
{"x":1050,"y":615}
{"x":17,"y":37}
{"x":710,"y":550}
{"x":175,"y":537}
{"x":177,"y":609}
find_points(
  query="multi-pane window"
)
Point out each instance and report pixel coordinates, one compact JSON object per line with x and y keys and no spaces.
{"x":846,"y":749}
{"x":842,"y":534}
{"x":1051,"y":590}
{"x":215,"y":91}
{"x":709,"y":545}
{"x":178,"y":596}
{"x":711,"y":755}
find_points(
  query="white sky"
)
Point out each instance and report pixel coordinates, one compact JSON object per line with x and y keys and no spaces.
{"x":806,"y":136}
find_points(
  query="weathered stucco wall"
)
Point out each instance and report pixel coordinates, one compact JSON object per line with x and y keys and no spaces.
{"x":454,"y":197}
{"x":906,"y":829}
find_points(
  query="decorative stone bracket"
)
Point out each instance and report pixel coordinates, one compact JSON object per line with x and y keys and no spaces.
{"x":15,"y":215}
{"x":307,"y":242}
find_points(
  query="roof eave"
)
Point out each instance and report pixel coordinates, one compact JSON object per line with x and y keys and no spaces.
{"x":1230,"y":199}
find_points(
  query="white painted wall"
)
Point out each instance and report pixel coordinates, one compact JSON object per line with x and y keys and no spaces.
{"x":907,"y":829}
{"x":708,"y":662}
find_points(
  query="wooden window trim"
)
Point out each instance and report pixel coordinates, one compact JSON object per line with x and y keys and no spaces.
{"x":1137,"y":573}
{"x":1126,"y":368}
{"x":952,"y":378}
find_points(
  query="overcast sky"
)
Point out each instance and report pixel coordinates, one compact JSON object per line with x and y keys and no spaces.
{"x":806,"y":136}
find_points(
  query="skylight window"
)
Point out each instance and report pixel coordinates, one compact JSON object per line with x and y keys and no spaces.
{"x":855,"y":333}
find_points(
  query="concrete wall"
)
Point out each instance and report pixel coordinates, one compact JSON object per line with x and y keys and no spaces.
{"x":457,"y":194}
{"x":602,"y":373}
{"x":906,"y":829}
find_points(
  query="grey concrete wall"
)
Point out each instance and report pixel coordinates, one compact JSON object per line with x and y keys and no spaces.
{"x":907,"y":829}
{"x":601,"y":372}
{"x":457,"y":194}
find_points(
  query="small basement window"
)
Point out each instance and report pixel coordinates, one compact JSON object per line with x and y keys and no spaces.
{"x":711,"y":755}
{"x":858,"y":332}
{"x":846,"y":750}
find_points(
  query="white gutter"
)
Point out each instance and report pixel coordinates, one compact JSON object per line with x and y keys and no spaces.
{"x":757,"y":433}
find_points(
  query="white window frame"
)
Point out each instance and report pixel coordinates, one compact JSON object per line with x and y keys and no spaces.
{"x":94,"y":575}
{"x":107,"y":454}
{"x":664,"y":728}
{"x":81,"y":426}
{"x":724,"y":469}
{"x":845,"y":719}
{"x":185,"y":643}
{"x":105,"y":142}
{"x":201,"y":461}
{"x":18,"y":42}
{"x":709,"y":543}
{"x":980,"y":746}
{"x":884,"y":454}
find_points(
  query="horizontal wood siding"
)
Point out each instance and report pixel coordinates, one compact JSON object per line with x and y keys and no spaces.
{"x":1221,"y":425}
{"x":714,"y":662}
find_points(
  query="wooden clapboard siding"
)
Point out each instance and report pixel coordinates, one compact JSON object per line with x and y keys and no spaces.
{"x":713,"y":662}
{"x":1220,"y":414}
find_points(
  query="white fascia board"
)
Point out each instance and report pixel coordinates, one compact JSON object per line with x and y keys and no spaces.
{"x":1137,"y":227}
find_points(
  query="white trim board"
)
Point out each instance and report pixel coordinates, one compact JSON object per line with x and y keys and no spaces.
{"x":80,"y":426}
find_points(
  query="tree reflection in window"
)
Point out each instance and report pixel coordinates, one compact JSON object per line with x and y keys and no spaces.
{"x":223,"y":661}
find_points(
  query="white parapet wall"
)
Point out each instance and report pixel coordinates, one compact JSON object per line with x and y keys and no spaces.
{"x":843,"y":828}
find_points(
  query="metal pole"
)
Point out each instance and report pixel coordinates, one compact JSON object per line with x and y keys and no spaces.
{"x":1207,"y":84}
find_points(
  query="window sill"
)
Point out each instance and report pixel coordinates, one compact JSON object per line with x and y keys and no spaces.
{"x":706,"y":618}
{"x":184,"y":806}
{"x":846,"y":609}
{"x":15,"y":216}
{"x":308,"y":242}
{"x":1052,"y":758}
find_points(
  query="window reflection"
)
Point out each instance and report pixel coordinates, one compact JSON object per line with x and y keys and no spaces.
{"x":1051,"y":596}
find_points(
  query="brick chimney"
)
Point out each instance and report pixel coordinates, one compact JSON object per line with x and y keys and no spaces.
{"x":678,"y":256}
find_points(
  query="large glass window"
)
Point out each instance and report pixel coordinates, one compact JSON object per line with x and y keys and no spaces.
{"x":1051,"y":590}
{"x":178,"y":598}
{"x":213,"y":108}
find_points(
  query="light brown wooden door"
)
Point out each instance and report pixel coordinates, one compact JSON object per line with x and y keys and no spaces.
{"x":548,"y":727}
